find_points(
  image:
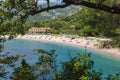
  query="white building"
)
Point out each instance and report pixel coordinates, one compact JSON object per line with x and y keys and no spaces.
{"x":39,"y":30}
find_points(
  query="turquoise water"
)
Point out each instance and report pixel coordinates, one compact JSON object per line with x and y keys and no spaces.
{"x":108,"y":64}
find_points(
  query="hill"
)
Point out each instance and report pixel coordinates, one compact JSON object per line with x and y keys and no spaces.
{"x":52,"y":14}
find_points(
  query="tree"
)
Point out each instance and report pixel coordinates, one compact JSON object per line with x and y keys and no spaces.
{"x":24,"y":72}
{"x":15,"y":13}
{"x":6,"y":61}
{"x":46,"y":64}
{"x":78,"y":68}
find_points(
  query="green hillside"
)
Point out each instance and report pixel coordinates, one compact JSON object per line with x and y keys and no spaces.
{"x":85,"y":22}
{"x":52,"y":14}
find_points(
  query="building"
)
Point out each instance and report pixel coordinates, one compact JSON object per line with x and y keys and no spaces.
{"x":39,"y":30}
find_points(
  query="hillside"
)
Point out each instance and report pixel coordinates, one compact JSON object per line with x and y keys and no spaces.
{"x":52,"y":14}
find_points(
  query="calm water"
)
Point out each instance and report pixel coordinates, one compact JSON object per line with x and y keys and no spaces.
{"x":108,"y":64}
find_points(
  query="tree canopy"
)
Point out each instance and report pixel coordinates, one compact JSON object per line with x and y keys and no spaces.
{"x":14,"y":13}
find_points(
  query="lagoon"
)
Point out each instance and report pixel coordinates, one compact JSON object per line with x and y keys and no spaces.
{"x":107,"y":63}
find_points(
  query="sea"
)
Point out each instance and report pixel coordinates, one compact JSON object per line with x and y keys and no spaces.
{"x":108,"y":64}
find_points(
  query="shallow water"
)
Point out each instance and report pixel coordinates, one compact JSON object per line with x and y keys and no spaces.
{"x":108,"y":64}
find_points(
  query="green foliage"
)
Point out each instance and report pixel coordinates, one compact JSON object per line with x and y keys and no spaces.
{"x":24,"y":72}
{"x":88,"y":22}
{"x":78,"y":68}
{"x":115,"y":42}
{"x":13,"y":15}
{"x":113,"y":77}
{"x":53,"y":31}
{"x":88,"y":31}
{"x":7,"y":61}
{"x":17,"y":11}
{"x":46,"y":63}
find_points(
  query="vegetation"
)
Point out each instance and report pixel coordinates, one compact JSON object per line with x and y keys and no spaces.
{"x":87,"y":22}
{"x":91,"y":22}
{"x":24,"y":72}
{"x":15,"y":13}
{"x":79,"y":67}
{"x":46,"y":64}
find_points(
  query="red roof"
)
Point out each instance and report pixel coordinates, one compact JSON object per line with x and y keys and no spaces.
{"x":39,"y":29}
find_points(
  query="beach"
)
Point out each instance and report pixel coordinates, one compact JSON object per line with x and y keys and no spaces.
{"x":74,"y":41}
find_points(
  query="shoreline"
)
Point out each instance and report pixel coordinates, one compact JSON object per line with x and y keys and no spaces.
{"x":78,"y":42}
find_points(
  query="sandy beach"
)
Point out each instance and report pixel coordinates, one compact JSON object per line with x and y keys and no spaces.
{"x":80,"y":42}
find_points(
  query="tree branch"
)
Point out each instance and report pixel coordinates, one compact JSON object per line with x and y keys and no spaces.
{"x":102,"y":7}
{"x":50,"y":8}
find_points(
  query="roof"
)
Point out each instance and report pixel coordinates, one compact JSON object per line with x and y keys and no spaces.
{"x":39,"y":29}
